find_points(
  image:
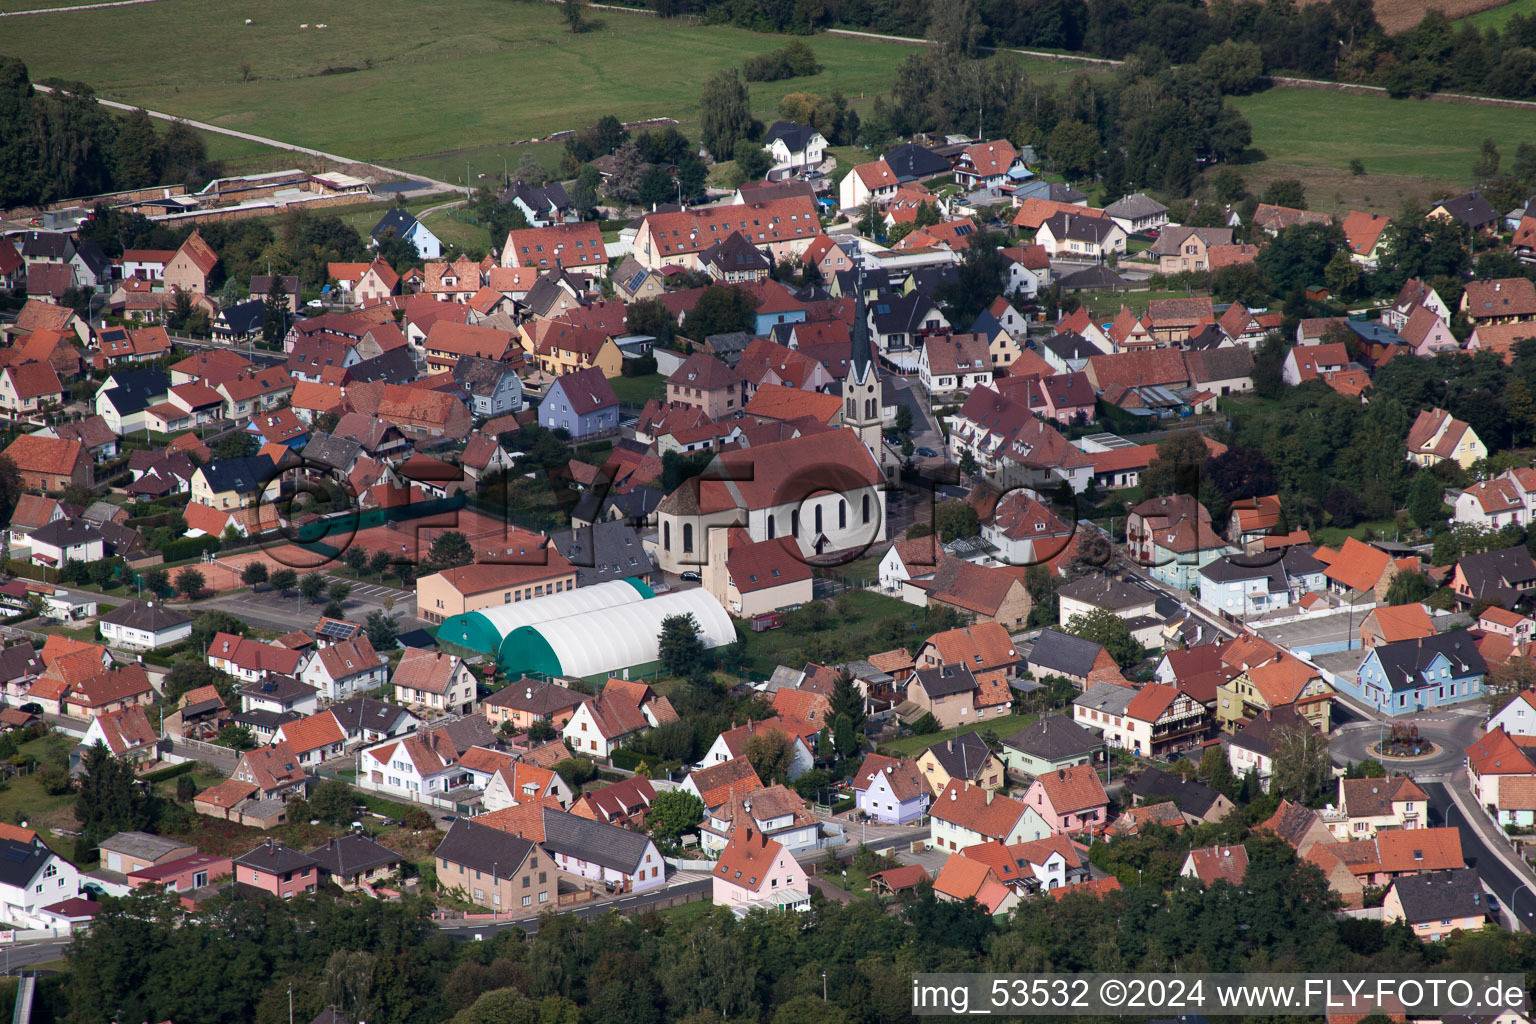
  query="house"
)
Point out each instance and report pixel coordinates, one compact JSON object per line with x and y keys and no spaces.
{"x":1408,"y":676}
{"x":253,"y":391}
{"x":1357,"y":570}
{"x":1214,"y":864}
{"x":1197,"y":803}
{"x":144,"y":625}
{"x":481,"y":585}
{"x":754,"y":871}
{"x":1162,"y":718}
{"x":31,"y":877}
{"x":1470,"y":211}
{"x":733,"y":742}
{"x":340,"y":670}
{"x":873,"y":182}
{"x":364,"y":720}
{"x":1437,"y":904}
{"x":252,"y":661}
{"x":947,"y":692}
{"x":1138,"y":214}
{"x":1508,"y":300}
{"x":1012,"y":447}
{"x":891,"y":790}
{"x":963,"y":815}
{"x":189,"y":269}
{"x":1052,"y":743}
{"x":569,"y":246}
{"x":1240,"y":586}
{"x":1362,"y":234}
{"x":1076,"y":236}
{"x":1387,"y":624}
{"x":532,"y":700}
{"x":1025,"y":531}
{"x":954,"y":362}
{"x":128,"y":852}
{"x":751,"y":578}
{"x":30,"y":387}
{"x":105,"y":692}
{"x":597,"y":727}
{"x":50,"y":464}
{"x":734,"y":260}
{"x":1275,"y":219}
{"x":280,"y":870}
{"x":399,"y":223}
{"x":1073,"y":658}
{"x":492,"y":386}
{"x":965,"y":758}
{"x":1069,"y":799}
{"x":1263,"y":677}
{"x":1505,"y":575}
{"x":496,"y":869}
{"x":581,"y":403}
{"x":541,"y":205}
{"x":705,"y":383}
{"x":624,"y":803}
{"x":432,"y":679}
{"x":1253,"y":747}
{"x":1180,"y":249}
{"x":521,"y":782}
{"x":775,"y":811}
{"x":313,"y":740}
{"x":621,"y":860}
{"x":66,"y":540}
{"x":1367,"y":806}
{"x":962,"y":878}
{"x":989,"y":165}
{"x":1437,"y":436}
{"x":355,"y":862}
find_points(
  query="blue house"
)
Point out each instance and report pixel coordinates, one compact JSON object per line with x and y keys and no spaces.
{"x":582,"y":403}
{"x":1406,"y":676}
{"x":777,"y":305}
{"x":399,"y":223}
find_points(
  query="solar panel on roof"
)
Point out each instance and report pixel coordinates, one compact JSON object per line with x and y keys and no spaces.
{"x":337,"y":630}
{"x":16,"y":856}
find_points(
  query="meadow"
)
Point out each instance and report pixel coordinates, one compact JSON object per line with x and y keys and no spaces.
{"x":1497,"y":17}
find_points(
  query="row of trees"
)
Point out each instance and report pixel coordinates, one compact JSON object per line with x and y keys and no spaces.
{"x":62,"y":144}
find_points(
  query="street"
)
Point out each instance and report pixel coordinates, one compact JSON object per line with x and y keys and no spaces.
{"x":41,"y":951}
{"x":1508,"y":886}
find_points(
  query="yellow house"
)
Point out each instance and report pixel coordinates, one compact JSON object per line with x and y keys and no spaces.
{"x":965,"y":757}
{"x":234,"y":483}
{"x":559,"y":348}
{"x":1279,"y":681}
{"x":1437,"y":436}
{"x":470,"y":588}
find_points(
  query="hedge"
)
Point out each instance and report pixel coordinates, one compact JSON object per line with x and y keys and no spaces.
{"x":161,"y":774}
{"x":845,"y":804}
{"x":188,"y":547}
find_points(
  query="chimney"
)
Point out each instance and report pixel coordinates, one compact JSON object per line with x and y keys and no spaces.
{"x":990,"y":794}
{"x":949,"y":745}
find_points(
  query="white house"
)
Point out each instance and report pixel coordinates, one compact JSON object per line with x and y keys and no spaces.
{"x":31,"y":877}
{"x":413,"y":767}
{"x":964,"y":815}
{"x":522,"y":783}
{"x":342,"y":670}
{"x":433,"y":679}
{"x":144,"y":625}
{"x":1080,"y":237}
{"x":66,"y":540}
{"x":733,"y":743}
{"x":954,"y":362}
{"x":909,"y":560}
{"x":1518,"y":717}
{"x":757,"y":872}
{"x":793,"y":148}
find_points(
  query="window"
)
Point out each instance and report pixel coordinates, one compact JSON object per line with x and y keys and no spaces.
{"x":818,"y":518}
{"x":771,"y":526}
{"x":527,"y":901}
{"x":687,"y":538}
{"x":666,"y":535}
{"x":866,"y":509}
{"x":544,"y":896}
{"x":842,"y":514}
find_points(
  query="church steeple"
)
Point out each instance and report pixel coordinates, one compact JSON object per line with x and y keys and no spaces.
{"x":862,"y":365}
{"x":862,"y":405}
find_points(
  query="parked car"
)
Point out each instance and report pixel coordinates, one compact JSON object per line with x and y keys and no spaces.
{"x":690,"y":576}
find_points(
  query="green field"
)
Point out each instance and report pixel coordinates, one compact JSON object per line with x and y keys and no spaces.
{"x":407,"y":79}
{"x":1498,"y":17}
{"x":1315,"y":128}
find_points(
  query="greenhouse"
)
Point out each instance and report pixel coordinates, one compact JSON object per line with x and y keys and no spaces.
{"x":485,"y":630}
{"x":610,"y":638}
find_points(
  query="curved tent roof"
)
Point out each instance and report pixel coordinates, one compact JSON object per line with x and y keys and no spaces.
{"x":612,"y":638}
{"x":485,"y":630}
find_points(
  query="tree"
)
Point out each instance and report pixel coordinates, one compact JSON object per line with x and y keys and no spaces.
{"x":1285,"y":192}
{"x":283,"y":580}
{"x":1487,"y":163}
{"x":312,"y":585}
{"x":530,"y":171}
{"x":1233,"y":67}
{"x":382,"y":629}
{"x":722,"y":309}
{"x":753,"y":162}
{"x":110,"y":798}
{"x":967,"y":462}
{"x":1177,"y":468}
{"x":380,"y":562}
{"x":253,"y":572}
{"x":155,"y":580}
{"x":651,"y":316}
{"x":190,"y":582}
{"x":628,"y":168}
{"x":673,"y":812}
{"x":1302,"y":767}
{"x":726,"y":113}
{"x":1109,"y":631}
{"x":338,"y":591}
{"x":333,"y":801}
{"x":1074,"y":148}
{"x":845,"y":738}
{"x":1409,"y":588}
{"x":236,"y":737}
{"x":681,"y":644}
{"x":955,"y":29}
{"x":573,"y":14}
{"x":355,"y":558}
{"x":1520,"y":407}
{"x":847,"y":701}
{"x":771,"y":754}
{"x":656,"y":186}
{"x":955,"y":520}
{"x":274,"y":316}
{"x":450,"y":550}
{"x":1217,"y":772}
{"x":1425,"y":505}
{"x":1342,"y":276}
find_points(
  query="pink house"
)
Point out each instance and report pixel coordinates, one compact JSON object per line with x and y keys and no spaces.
{"x":754,"y":871}
{"x":1069,"y":799}
{"x":277,"y":869}
{"x":184,"y":873}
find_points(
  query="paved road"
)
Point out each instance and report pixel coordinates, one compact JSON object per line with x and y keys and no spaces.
{"x":1451,"y":731}
{"x":21,"y":954}
{"x":1514,"y":892}
{"x":467,"y":930}
{"x":436,"y":186}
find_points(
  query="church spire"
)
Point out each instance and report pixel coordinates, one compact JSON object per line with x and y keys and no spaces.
{"x":862,"y":365}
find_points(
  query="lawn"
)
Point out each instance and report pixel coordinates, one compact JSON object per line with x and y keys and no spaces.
{"x":1331,"y":536}
{"x":1413,"y":138}
{"x":855,"y":624}
{"x":637,"y":391}
{"x":1498,"y":17}
{"x":390,"y":79}
{"x":908,"y":746}
{"x":22,"y":797}
{"x":1103,"y":306}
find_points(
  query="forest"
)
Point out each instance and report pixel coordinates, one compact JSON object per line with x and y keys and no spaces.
{"x":1338,"y":40}
{"x":146,"y":959}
